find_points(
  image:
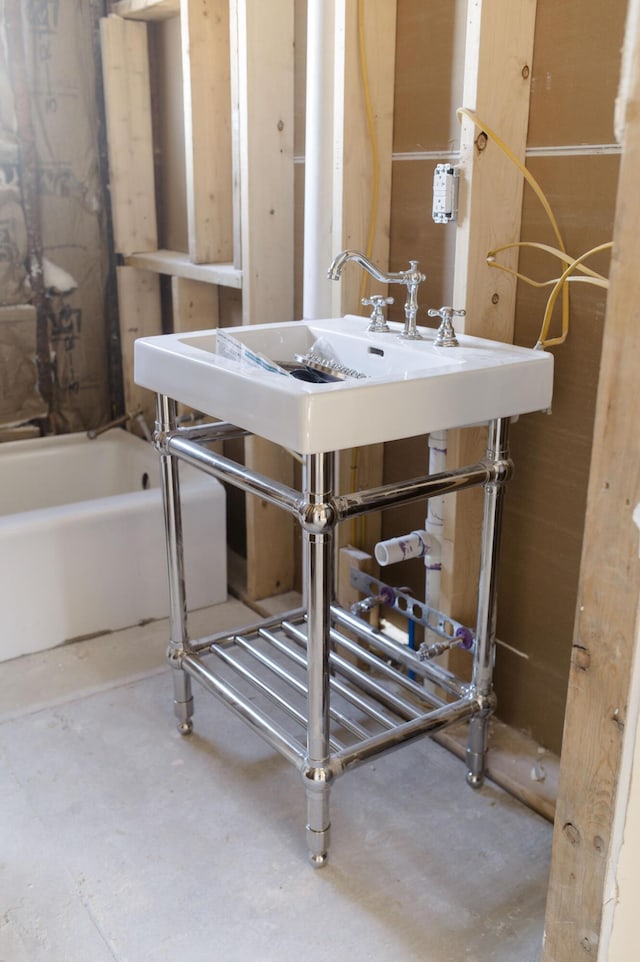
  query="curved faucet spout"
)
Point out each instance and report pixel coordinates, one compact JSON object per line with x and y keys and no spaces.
{"x":337,"y":266}
{"x":412,"y":278}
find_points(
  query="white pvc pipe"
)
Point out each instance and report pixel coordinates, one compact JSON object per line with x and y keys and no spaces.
{"x":403,"y":548}
{"x":434,"y":524}
{"x":425,"y":544}
{"x":319,"y":145}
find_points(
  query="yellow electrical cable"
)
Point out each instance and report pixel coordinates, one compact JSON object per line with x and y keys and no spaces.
{"x":491,"y":262}
{"x":560,"y":285}
{"x":533,"y":183}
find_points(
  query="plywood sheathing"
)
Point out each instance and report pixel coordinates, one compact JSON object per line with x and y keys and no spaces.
{"x":545,"y":506}
{"x":575,"y":78}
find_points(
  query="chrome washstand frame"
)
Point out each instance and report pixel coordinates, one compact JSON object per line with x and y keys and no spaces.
{"x":325,"y":701}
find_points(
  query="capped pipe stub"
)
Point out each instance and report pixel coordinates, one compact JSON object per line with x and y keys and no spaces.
{"x":465,"y":637}
{"x":412,"y":545}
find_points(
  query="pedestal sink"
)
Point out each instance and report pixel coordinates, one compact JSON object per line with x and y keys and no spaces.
{"x":320,"y":685}
{"x":408,"y":388}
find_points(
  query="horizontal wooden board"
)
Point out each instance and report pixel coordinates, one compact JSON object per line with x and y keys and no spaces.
{"x":177,"y":263}
{"x":146,"y":9}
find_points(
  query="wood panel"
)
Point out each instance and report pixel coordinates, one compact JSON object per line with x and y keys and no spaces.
{"x":195,"y":305}
{"x":178,"y":263}
{"x":608,"y":594}
{"x":128,"y":117}
{"x":546,"y":500}
{"x":573,"y":86}
{"x":429,"y":74}
{"x":139,"y":309}
{"x":265,"y":103}
{"x":207,"y":119}
{"x":264,"y":81}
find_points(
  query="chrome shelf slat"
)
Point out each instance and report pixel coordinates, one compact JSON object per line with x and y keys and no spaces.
{"x":298,"y":685}
{"x":270,"y":693}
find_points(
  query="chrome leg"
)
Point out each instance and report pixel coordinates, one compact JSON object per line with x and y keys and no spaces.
{"x":179,"y":639}
{"x":318,"y":526}
{"x":484,"y":657}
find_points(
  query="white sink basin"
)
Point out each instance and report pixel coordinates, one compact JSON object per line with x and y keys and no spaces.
{"x":410,"y":388}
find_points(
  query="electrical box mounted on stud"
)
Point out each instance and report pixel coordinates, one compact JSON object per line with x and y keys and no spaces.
{"x":445,"y":193}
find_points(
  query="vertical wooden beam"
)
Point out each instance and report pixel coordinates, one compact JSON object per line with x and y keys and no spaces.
{"x":265,"y":93}
{"x":349,"y":142}
{"x":234,"y":85}
{"x":355,"y":179}
{"x":264,"y":72}
{"x":600,"y":699}
{"x":364,"y":69}
{"x":496,"y":86}
{"x":207,"y":118}
{"x":194,"y":303}
{"x":128,"y":117}
{"x":194,"y":306}
{"x":140,"y":316}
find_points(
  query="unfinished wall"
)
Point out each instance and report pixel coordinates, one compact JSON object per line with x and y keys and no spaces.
{"x":576,"y":67}
{"x":52,"y":212}
{"x":575,"y":74}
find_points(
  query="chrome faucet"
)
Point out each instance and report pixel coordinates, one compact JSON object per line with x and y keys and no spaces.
{"x":412,"y":278}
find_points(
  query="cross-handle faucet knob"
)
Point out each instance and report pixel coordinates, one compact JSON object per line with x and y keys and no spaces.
{"x":378,"y":321}
{"x":446,"y":336}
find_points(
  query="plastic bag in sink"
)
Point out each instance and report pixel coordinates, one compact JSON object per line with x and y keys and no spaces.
{"x":234,"y":350}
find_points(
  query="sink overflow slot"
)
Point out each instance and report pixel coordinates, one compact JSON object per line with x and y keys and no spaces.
{"x":376,"y":350}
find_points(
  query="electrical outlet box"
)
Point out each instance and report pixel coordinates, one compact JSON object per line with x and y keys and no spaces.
{"x":445,"y":193}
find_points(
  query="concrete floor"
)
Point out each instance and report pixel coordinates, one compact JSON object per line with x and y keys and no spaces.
{"x":120,"y":840}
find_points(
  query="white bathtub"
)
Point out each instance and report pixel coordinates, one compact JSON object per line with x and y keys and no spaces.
{"x":82,"y":539}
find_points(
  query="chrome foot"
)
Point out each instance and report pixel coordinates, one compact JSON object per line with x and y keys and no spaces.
{"x":318,"y":861}
{"x":185,"y":727}
{"x":318,"y":846}
{"x":475,"y":779}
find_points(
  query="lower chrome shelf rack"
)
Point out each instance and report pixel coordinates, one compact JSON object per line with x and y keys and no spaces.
{"x":261,"y":673}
